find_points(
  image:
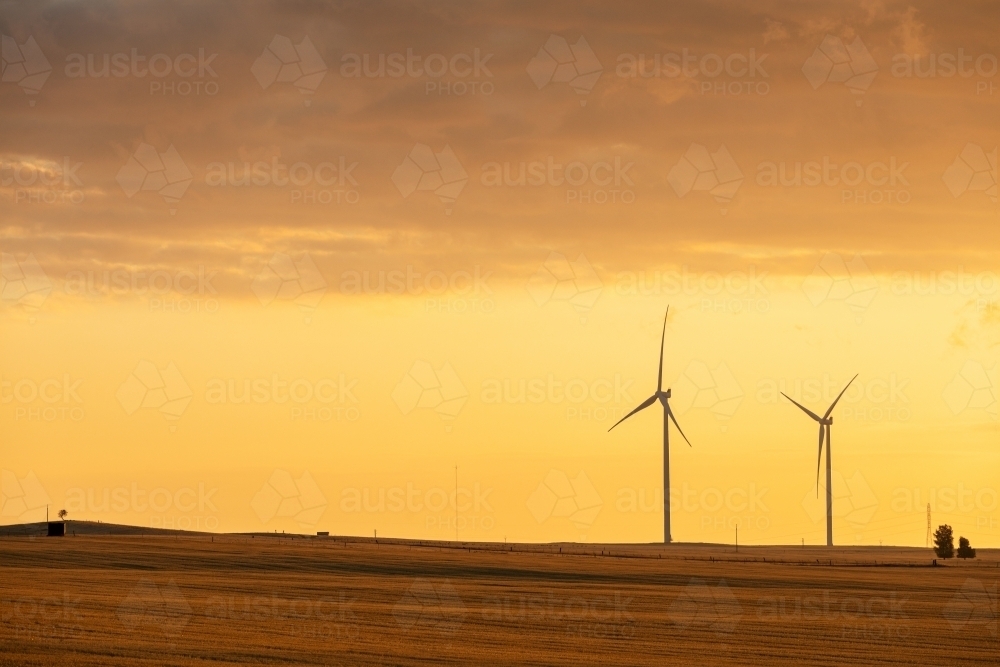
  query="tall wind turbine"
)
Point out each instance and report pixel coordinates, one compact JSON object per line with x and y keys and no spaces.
{"x":662,"y":397}
{"x":825,"y":426}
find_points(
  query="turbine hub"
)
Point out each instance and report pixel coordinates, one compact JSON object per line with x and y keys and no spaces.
{"x":667,"y":393}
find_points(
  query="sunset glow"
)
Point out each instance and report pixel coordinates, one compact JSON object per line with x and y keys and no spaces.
{"x":309,"y":269}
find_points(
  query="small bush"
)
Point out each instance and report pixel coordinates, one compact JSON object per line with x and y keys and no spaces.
{"x":965,"y":550}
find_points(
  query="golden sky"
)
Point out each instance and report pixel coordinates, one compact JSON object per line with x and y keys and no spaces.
{"x":284,"y":266}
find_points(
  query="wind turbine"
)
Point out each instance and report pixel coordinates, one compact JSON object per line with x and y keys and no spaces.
{"x":668,"y":415}
{"x":825,"y":426}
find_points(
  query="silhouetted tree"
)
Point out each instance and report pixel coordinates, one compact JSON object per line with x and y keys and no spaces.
{"x":965,"y":549}
{"x":944,"y":542}
{"x":63,"y":514}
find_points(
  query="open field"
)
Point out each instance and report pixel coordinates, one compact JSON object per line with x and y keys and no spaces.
{"x":265,"y":599}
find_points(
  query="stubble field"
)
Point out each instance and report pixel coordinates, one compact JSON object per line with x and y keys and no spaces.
{"x":236,"y":600}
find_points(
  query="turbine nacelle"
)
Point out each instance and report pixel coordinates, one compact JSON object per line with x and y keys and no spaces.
{"x":663,"y":396}
{"x":825,"y":423}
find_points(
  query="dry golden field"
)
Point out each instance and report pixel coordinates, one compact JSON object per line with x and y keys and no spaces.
{"x":268,"y":600}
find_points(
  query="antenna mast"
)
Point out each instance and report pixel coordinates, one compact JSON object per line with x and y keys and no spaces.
{"x":927,"y":541}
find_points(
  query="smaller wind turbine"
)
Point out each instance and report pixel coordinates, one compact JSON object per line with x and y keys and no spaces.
{"x":825,"y":426}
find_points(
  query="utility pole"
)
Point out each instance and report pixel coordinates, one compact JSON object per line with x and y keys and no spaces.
{"x":927,"y":540}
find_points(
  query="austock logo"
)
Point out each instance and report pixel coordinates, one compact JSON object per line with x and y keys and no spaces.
{"x":182,"y":508}
{"x":714,"y":389}
{"x":559,"y":62}
{"x":174,"y":291}
{"x":978,"y":504}
{"x":870,"y":183}
{"x":22,"y":499}
{"x":149,"y":170}
{"x":873,"y":399}
{"x":439,"y":390}
{"x":704,"y":607}
{"x":151,"y":388}
{"x":397,"y":499}
{"x":42,"y":180}
{"x":599,"y":182}
{"x":973,"y":388}
{"x":424,"y":170}
{"x":52,"y":618}
{"x":559,"y":279}
{"x":438,"y":506}
{"x":283,"y":496}
{"x":514,"y":391}
{"x":701,"y":171}
{"x":603,"y":616}
{"x":310,"y":617}
{"x":455,"y":292}
{"x":740,"y":71}
{"x":559,"y":496}
{"x":717,"y":509}
{"x":730,"y":292}
{"x":874,"y":618}
{"x":195,"y":72}
{"x":312,"y":183}
{"x":23,"y":283}
{"x":429,"y":605}
{"x":974,"y":605}
{"x":948,"y":65}
{"x":51,"y":399}
{"x":284,"y":62}
{"x":834,"y":61}
{"x":853,"y":500}
{"x":23,"y":64}
{"x":286,"y":279}
{"x":434,"y":66}
{"x":974,"y":170}
{"x":833,"y":279}
{"x":149,"y":605}
{"x":275,"y":389}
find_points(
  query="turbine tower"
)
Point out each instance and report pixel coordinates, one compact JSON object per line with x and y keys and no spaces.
{"x":825,"y":426}
{"x":668,"y":416}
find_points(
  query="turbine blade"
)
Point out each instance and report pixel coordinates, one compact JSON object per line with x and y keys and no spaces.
{"x":802,"y":407}
{"x":834,"y":404}
{"x":674,"y":420}
{"x":659,"y":372}
{"x":820,"y":456}
{"x":645,"y":404}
